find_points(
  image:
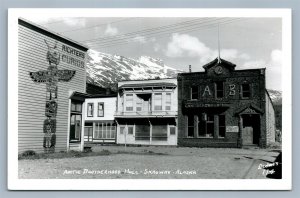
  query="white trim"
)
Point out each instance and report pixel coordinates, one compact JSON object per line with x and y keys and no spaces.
{"x":69,"y":123}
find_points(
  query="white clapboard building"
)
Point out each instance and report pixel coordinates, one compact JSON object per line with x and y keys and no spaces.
{"x":147,"y":112}
{"x":100,"y":126}
{"x":51,"y":78}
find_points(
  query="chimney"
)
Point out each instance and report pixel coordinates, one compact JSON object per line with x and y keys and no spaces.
{"x":190,"y":68}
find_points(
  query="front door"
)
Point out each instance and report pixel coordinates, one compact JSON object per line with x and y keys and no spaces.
{"x":251,"y":129}
{"x":248,"y":135}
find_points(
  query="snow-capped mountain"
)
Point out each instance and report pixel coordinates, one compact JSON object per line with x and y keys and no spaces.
{"x":276,"y":96}
{"x":106,"y":69}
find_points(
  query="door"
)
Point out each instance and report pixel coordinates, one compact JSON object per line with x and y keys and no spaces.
{"x":88,"y":133}
{"x":75,"y":128}
{"x":251,"y":129}
{"x":248,"y":135}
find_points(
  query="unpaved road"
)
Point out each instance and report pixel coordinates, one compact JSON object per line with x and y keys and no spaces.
{"x":153,"y":163}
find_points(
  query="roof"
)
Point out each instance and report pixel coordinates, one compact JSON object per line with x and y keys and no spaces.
{"x":96,"y":90}
{"x":162,"y":84}
{"x":51,"y":34}
{"x":222,"y":62}
{"x":82,"y":96}
{"x":251,"y":106}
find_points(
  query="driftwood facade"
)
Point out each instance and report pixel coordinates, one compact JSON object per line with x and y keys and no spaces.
{"x":50,"y":69}
{"x":224,"y":107}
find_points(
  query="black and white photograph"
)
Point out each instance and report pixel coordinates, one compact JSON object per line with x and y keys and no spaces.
{"x":149,"y":99}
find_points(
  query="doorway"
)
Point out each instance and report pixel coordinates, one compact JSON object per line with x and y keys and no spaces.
{"x":251,"y":129}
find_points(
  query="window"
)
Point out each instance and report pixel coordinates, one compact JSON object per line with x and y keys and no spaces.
{"x":210,"y":126}
{"x":75,"y":128}
{"x":104,"y":130}
{"x":168,"y":101}
{"x":191,"y":126}
{"x":157,"y":101}
{"x":130,"y":130}
{"x":159,"y":132}
{"x":100,"y":109}
{"x":129,"y":102}
{"x":90,"y":110}
{"x":122,"y":129}
{"x":219,"y":89}
{"x":222,"y":128}
{"x":139,"y":103}
{"x":172,"y":130}
{"x":194,"y":93}
{"x":76,"y":107}
{"x":206,"y":125}
{"x":246,"y":91}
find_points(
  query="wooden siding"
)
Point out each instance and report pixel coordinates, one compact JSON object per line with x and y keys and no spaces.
{"x":32,"y":52}
{"x":109,"y":108}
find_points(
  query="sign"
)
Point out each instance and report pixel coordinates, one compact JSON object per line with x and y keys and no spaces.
{"x":232,"y":129}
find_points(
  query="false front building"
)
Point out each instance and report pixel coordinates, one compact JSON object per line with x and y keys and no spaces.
{"x":147,"y":112}
{"x":100,"y":126}
{"x":51,"y":68}
{"x":224,"y":107}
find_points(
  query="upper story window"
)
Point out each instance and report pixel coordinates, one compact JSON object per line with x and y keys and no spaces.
{"x":139,"y":103}
{"x":100,"y":109}
{"x":194,"y":92}
{"x":158,"y":101}
{"x":90,"y":109}
{"x":246,"y":92}
{"x":76,"y":107}
{"x":129,"y":102}
{"x":168,"y":101}
{"x":219,"y":89}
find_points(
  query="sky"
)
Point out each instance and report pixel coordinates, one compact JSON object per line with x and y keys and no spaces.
{"x":179,"y":42}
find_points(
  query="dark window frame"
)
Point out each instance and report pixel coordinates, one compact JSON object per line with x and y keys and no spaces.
{"x":126,"y":103}
{"x":218,"y":91}
{"x":100,"y":103}
{"x":243,"y":92}
{"x":87,"y":112}
{"x":194,"y":92}
{"x":158,"y":107}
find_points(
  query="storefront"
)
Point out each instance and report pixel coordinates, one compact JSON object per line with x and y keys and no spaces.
{"x":50,"y":68}
{"x":224,"y":107}
{"x":147,"y":112}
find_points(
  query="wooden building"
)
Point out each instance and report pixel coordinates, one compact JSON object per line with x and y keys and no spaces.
{"x":100,"y":126}
{"x":51,"y":69}
{"x":147,"y":112}
{"x":224,"y":107}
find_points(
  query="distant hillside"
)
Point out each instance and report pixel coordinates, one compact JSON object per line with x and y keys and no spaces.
{"x":106,"y":70}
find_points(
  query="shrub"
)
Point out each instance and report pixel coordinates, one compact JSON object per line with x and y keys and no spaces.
{"x":28,"y":153}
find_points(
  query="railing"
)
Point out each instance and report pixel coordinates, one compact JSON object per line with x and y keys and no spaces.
{"x":146,"y":113}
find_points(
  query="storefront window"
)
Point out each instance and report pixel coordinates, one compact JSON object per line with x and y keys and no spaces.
{"x":191,"y":126}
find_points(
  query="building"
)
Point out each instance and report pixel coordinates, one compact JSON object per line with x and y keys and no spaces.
{"x":147,"y":112}
{"x":51,"y":76}
{"x":224,"y":107}
{"x":100,"y":126}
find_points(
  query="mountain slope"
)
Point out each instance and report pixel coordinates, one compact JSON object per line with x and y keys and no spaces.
{"x":106,"y":69}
